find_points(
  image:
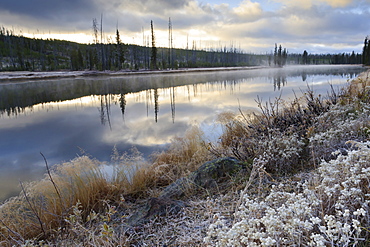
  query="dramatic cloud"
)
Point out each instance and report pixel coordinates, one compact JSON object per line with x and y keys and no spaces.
{"x":314,"y":25}
{"x":248,"y":11}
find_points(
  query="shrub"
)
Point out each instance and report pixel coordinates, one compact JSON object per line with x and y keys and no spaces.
{"x":330,"y":209}
{"x":332,"y":129}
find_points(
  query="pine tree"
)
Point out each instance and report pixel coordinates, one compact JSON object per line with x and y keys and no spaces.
{"x":305,"y":57}
{"x":280,"y":60}
{"x":153,"y":59}
{"x":284,"y":56}
{"x":366,"y":52}
{"x":120,"y":56}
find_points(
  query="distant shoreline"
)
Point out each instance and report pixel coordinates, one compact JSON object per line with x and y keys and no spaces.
{"x":12,"y":76}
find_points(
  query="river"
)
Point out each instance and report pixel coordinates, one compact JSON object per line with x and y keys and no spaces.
{"x":66,"y":117}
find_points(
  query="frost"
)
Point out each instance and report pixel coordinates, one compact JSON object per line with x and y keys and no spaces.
{"x":332,"y":210}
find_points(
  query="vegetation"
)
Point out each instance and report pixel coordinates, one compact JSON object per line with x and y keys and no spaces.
{"x":153,"y":57}
{"x":366,"y":52}
{"x":21,"y":53}
{"x":280,"y":56}
{"x":309,"y":163}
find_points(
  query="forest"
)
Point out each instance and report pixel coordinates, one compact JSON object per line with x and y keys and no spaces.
{"x":19,"y":53}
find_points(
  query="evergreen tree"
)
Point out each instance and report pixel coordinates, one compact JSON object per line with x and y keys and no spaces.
{"x":284,"y":56}
{"x":153,"y":58}
{"x":366,"y":52}
{"x":305,"y":57}
{"x":280,"y":56}
{"x":120,"y":56}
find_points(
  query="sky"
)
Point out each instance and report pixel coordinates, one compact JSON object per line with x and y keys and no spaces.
{"x":318,"y":26}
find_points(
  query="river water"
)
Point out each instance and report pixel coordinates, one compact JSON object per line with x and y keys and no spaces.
{"x":64,"y":118}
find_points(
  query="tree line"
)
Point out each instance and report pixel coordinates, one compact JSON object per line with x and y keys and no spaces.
{"x":21,"y":53}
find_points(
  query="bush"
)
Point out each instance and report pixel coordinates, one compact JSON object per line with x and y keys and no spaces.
{"x":330,"y":209}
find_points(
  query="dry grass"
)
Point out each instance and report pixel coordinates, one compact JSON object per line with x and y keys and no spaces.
{"x":43,"y":206}
{"x":184,"y":156}
{"x":84,"y":185}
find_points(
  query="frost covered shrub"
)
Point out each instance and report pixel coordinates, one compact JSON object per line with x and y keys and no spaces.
{"x":278,"y":133}
{"x":281,"y":152}
{"x":334,"y":128}
{"x":330,"y":209}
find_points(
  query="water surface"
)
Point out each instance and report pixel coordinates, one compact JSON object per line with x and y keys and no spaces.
{"x":64,"y":118}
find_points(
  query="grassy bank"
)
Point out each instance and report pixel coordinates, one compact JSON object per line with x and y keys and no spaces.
{"x":307,"y":185}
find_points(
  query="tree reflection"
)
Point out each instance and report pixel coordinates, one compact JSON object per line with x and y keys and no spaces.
{"x":304,"y":76}
{"x":105,"y":110}
{"x":279,"y":82}
{"x":156,"y":104}
{"x":172,"y":99}
{"x":122,"y":104}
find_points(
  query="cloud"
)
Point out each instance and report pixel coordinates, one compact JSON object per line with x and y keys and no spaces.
{"x":47,"y":15}
{"x":45,"y":9}
{"x":306,"y":4}
{"x":338,"y":3}
{"x":253,"y":24}
{"x":248,"y":10}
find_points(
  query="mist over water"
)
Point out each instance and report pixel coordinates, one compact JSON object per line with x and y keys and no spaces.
{"x":68,"y":117}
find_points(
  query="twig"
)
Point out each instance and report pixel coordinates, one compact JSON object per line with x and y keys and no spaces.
{"x":32,"y":208}
{"x":13,"y":232}
{"x":257,"y":166}
{"x":51,"y":178}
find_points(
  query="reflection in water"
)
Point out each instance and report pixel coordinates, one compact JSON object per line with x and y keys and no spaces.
{"x":104,"y":110}
{"x":18,"y":99}
{"x":156,"y":104}
{"x":279,"y":81}
{"x":304,"y":76}
{"x":60,"y":117}
{"x":172,"y":97}
{"x":122,"y":104}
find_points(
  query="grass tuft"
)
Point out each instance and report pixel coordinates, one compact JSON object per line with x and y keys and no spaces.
{"x":184,"y":155}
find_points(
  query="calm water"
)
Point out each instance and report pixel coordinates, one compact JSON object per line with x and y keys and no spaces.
{"x":66,"y":117}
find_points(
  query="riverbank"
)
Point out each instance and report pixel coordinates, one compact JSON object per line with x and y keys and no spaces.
{"x":304,"y":182}
{"x":28,"y":75}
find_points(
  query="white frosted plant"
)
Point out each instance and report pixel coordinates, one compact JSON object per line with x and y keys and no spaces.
{"x":282,"y":151}
{"x":340,"y":124}
{"x":330,"y":209}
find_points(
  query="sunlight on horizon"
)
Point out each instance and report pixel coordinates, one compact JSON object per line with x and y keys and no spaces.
{"x":194,"y":38}
{"x":82,"y":38}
